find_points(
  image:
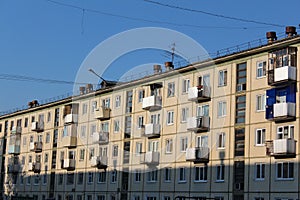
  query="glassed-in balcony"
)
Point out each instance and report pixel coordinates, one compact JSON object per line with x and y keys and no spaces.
{"x":71,"y":119}
{"x":14,"y":144}
{"x":34,"y":166}
{"x":152,"y":103}
{"x":102,"y":113}
{"x":198,"y":124}
{"x":197,"y":154}
{"x":99,"y":161}
{"x":200,"y":93}
{"x":69,"y":137}
{"x":150,"y":158}
{"x":152,"y":130}
{"x":16,"y":130}
{"x":281,"y":148}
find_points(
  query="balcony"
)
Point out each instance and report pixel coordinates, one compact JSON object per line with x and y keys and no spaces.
{"x":102,"y":113}
{"x":199,"y":94}
{"x":150,"y":158}
{"x":37,"y":126}
{"x":71,"y":119}
{"x":198,"y":124}
{"x":152,"y":103}
{"x":36,"y":146}
{"x":68,"y":164}
{"x":281,"y":148}
{"x":284,"y":111}
{"x":14,"y":149}
{"x":13,"y":168}
{"x":16,"y":130}
{"x":69,"y":141}
{"x":152,"y":130}
{"x":35,"y":167}
{"x":282,"y":75}
{"x":197,"y":154}
{"x":99,"y":161}
{"x":100,"y":137}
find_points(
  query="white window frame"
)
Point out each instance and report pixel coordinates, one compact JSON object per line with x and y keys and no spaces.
{"x":182,"y":175}
{"x":222,"y":77}
{"x":222,"y":108}
{"x":183,"y":144}
{"x":260,"y":103}
{"x":140,"y":122}
{"x":118,"y":101}
{"x":139,"y":148}
{"x":141,"y":95}
{"x":115,"y":150}
{"x":137,"y":175}
{"x":167,"y":174}
{"x":202,"y":173}
{"x":261,"y":69}
{"x":101,"y":177}
{"x":282,"y":170}
{"x":170,"y":117}
{"x":114,"y":175}
{"x":152,"y":176}
{"x":184,"y":115}
{"x":169,"y":145}
{"x":202,"y":141}
{"x":185,"y":86}
{"x":283,"y":134}
{"x":84,"y":108}
{"x":116,"y":126}
{"x":220,"y":173}
{"x":260,"y":135}
{"x":90,"y":178}
{"x":221,"y":138}
{"x":171,"y":89}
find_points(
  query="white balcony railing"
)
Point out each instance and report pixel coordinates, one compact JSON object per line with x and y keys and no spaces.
{"x":102,"y":113}
{"x":198,"y":123}
{"x":281,"y":147}
{"x":285,"y":73}
{"x":200,"y":154}
{"x":150,"y":158}
{"x":68,"y":164}
{"x":152,"y":103}
{"x":284,"y":110}
{"x":152,"y":130}
{"x":199,"y":93}
{"x":99,"y":161}
{"x":71,"y":118}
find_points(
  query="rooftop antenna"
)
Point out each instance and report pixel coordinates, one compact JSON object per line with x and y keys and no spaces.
{"x":172,"y":52}
{"x":93,"y":72}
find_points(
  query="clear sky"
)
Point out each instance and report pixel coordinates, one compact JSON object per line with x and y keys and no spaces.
{"x":42,"y":39}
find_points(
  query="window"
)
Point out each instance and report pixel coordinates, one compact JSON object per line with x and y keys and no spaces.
{"x":240,"y":109}
{"x":260,"y":137}
{"x":60,"y":179}
{"x":89,"y":197}
{"x":84,"y":108}
{"x":260,"y":171}
{"x":241,"y":76}
{"x":201,"y":174}
{"x":203,"y":110}
{"x":152,"y":176}
{"x":26,"y":122}
{"x":222,"y":108}
{"x":170,"y":117}
{"x":151,"y":198}
{"x":115,"y":150}
{"x":222,"y":78}
{"x":81,"y":154}
{"x":284,"y":132}
{"x":220,"y":173}
{"x":183,"y":144}
{"x":221,"y":140}
{"x":80,"y":178}
{"x":153,"y":146}
{"x":118,"y":101}
{"x":36,"y":180}
{"x":185,"y":85}
{"x":169,"y":145}
{"x":90,"y":177}
{"x":102,"y":177}
{"x":47,"y":137}
{"x":114,"y":176}
{"x":139,"y":148}
{"x":171,"y":89}
{"x":94,"y":106}
{"x":168,"y":174}
{"x":106,"y":103}
{"x":219,"y":198}
{"x":140,"y":122}
{"x":70,"y":178}
{"x":184,"y":114}
{"x":92,"y":130}
{"x":116,"y":126}
{"x":260,"y":102}
{"x":24,"y":141}
{"x":182,"y":174}
{"x":202,"y":141}
{"x":83,"y":132}
{"x":28,"y":180}
{"x":137,"y":175}
{"x":49,"y":117}
{"x":261,"y":69}
{"x":46,"y":157}
{"x":284,"y":170}
{"x":100,"y":197}
{"x":92,"y":153}
{"x":141,"y":95}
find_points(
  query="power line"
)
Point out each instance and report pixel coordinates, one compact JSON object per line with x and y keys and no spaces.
{"x":39,"y":80}
{"x":143,"y":19}
{"x":214,"y":14}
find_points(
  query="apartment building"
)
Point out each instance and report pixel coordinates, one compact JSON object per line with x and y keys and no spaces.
{"x":221,"y":129}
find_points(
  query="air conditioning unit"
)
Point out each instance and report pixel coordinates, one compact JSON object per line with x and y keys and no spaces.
{"x":241,"y":87}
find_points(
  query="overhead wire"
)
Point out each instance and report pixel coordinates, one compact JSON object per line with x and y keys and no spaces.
{"x":143,"y":19}
{"x":214,"y":14}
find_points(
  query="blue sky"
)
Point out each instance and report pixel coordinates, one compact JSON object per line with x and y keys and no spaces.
{"x":41,"y":39}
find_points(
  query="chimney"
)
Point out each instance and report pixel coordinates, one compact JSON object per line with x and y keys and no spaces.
{"x":290,"y":31}
{"x":271,"y":36}
{"x":82,"y":90}
{"x":30,"y":104}
{"x":157,"y":69}
{"x":169,"y":66}
{"x":89,"y":88}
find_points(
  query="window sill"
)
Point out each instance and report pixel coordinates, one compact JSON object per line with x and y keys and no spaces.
{"x":181,"y":182}
{"x":200,"y":181}
{"x":259,"y":111}
{"x":284,"y":179}
{"x":261,"y":77}
{"x":222,"y":85}
{"x":259,"y":145}
{"x":259,"y":179}
{"x":220,"y":181}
